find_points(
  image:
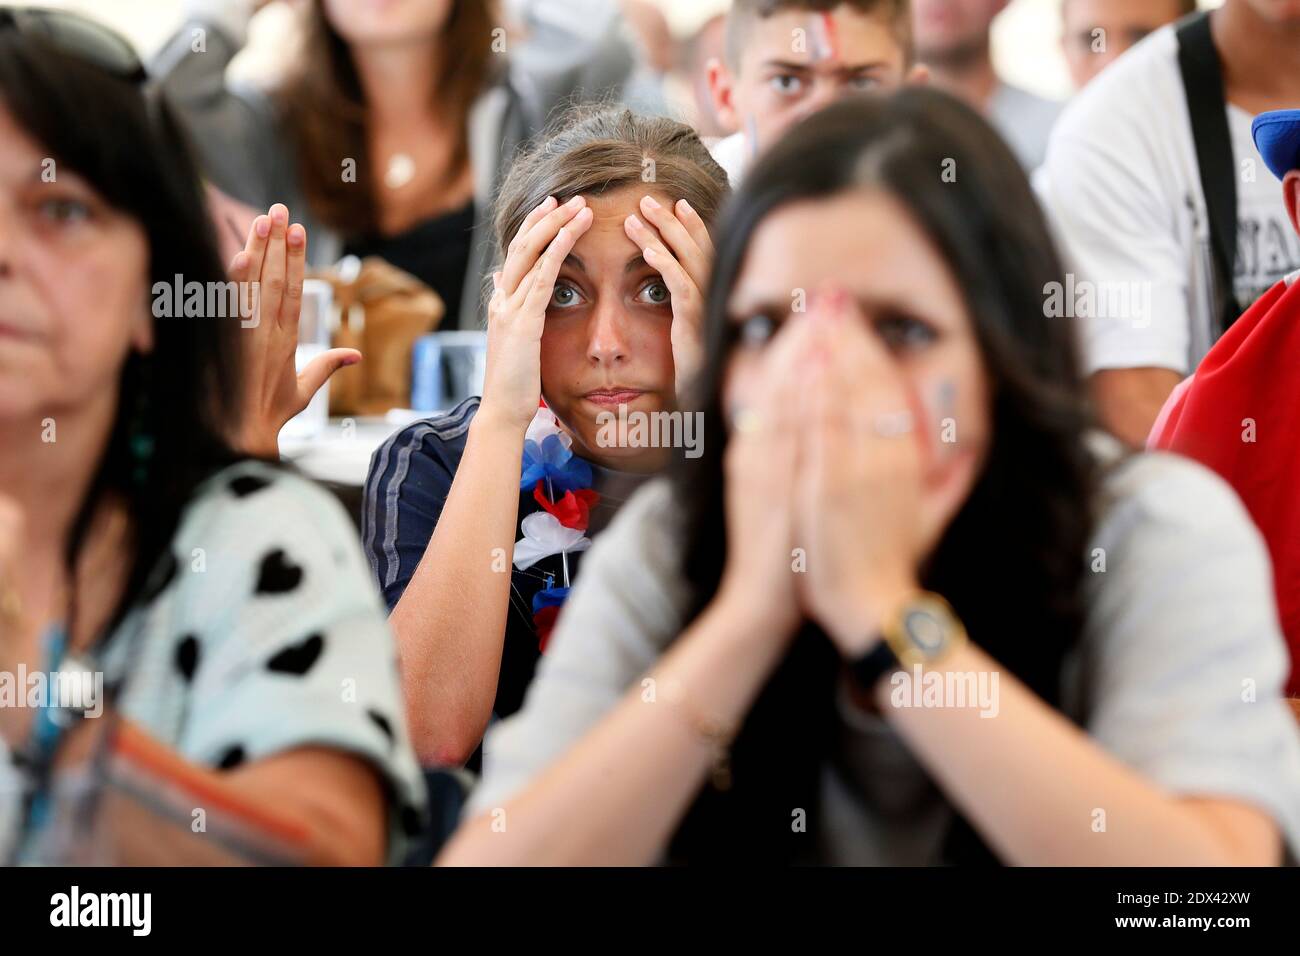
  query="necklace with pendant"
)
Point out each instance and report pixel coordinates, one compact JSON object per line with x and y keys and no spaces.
{"x":401,"y":170}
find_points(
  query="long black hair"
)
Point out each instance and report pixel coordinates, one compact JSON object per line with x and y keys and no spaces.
{"x":176,"y":404}
{"x":1012,"y":560}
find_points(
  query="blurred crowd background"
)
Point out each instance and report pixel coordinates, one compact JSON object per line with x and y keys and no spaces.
{"x":1026,"y":36}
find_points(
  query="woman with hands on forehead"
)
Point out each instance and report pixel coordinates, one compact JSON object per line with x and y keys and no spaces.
{"x":476,"y":519}
{"x":673,"y":241}
{"x":907,"y":608}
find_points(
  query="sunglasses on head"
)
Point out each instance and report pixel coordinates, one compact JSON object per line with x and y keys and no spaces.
{"x":76,"y":36}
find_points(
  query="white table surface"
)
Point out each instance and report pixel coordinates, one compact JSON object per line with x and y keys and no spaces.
{"x":341,"y":452}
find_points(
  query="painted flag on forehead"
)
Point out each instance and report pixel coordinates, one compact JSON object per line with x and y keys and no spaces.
{"x":1239,"y":415}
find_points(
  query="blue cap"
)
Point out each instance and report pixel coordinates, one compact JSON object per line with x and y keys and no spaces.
{"x":1277,"y":137}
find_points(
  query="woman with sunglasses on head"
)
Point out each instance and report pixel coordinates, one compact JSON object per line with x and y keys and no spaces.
{"x":392,"y":129}
{"x":903,"y":610}
{"x":223,"y":603}
{"x":475,"y":520}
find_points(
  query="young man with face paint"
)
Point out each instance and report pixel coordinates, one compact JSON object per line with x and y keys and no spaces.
{"x":786,"y":59}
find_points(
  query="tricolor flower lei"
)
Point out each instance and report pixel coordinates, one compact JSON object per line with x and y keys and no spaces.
{"x":551,"y":469}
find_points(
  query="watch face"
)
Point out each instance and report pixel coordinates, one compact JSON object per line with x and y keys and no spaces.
{"x":926,"y":630}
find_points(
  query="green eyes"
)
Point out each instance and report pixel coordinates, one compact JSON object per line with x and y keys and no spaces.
{"x":655,"y":293}
{"x":564,"y":296}
{"x":652,"y":293}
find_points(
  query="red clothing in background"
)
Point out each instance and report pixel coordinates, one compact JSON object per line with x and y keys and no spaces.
{"x":1240,"y":416}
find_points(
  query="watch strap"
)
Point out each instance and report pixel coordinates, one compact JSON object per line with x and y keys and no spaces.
{"x":868,"y":669}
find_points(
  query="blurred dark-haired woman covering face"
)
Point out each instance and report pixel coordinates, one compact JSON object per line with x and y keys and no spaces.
{"x":906,"y":608}
{"x":213,"y":612}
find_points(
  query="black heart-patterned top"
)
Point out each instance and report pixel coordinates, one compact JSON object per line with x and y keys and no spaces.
{"x":263,"y":631}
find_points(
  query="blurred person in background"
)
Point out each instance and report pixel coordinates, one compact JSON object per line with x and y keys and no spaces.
{"x":907,"y":608}
{"x":786,"y":59}
{"x":1095,"y":32}
{"x":475,"y":520}
{"x":224,"y":602}
{"x":952,"y":39}
{"x":392,"y":133}
{"x":1161,"y":201}
{"x":656,"y":48}
{"x":707,"y":44}
{"x":651,"y":28}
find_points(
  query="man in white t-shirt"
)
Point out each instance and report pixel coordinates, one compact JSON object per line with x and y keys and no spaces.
{"x":786,"y":59}
{"x":952,"y":39}
{"x":1123,"y":188}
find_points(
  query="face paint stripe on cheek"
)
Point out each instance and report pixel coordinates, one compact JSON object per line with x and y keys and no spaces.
{"x":921,"y":435}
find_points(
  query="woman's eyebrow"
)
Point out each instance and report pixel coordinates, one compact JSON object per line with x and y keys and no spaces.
{"x":40,"y":174}
{"x":741,"y":306}
{"x":635,"y":264}
{"x":575,"y":262}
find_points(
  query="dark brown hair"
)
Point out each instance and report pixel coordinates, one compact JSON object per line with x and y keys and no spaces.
{"x":168,"y":434}
{"x":596,"y":149}
{"x":743,"y":13}
{"x":327,"y":112}
{"x":1013,"y":560}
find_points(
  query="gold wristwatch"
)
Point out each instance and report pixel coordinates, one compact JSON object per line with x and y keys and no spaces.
{"x":922,"y":629}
